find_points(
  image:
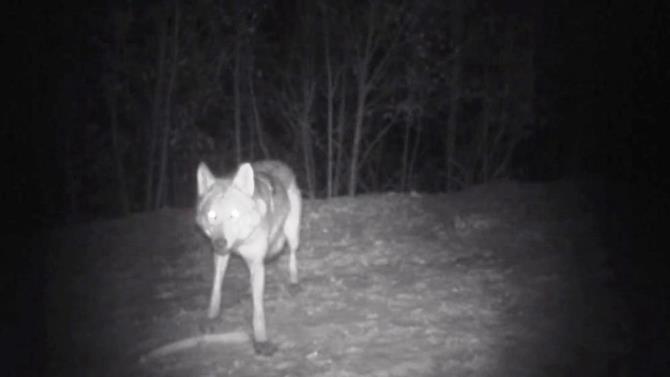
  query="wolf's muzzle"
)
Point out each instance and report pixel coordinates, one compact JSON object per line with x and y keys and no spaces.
{"x":220,"y":246}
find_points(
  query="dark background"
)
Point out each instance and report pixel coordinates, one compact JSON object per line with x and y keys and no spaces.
{"x":597,"y":97}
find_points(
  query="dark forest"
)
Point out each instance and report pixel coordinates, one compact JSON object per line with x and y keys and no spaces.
{"x":119,"y":101}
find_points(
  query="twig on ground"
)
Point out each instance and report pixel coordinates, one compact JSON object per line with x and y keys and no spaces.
{"x":199,"y":340}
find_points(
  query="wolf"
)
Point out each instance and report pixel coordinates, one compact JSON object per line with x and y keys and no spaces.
{"x":253,"y":213}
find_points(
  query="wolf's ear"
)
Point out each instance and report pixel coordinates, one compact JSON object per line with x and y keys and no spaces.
{"x":205,"y":178}
{"x":244,"y":179}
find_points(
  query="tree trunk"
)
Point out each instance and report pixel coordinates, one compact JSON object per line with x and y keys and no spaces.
{"x":485,"y":152}
{"x":415,"y":150}
{"x":363,"y":65}
{"x":308,"y":91}
{"x":71,"y":181}
{"x":330,"y":97}
{"x":457,"y":20}
{"x":156,"y":117}
{"x":159,"y":199}
{"x":485,"y":147}
{"x":358,"y":131}
{"x":339,"y":156}
{"x":307,"y":153}
{"x":405,"y":155}
{"x":257,"y":118}
{"x":119,"y":169}
{"x":237,"y":111}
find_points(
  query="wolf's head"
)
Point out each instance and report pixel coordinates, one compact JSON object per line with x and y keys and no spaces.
{"x":227,"y":211}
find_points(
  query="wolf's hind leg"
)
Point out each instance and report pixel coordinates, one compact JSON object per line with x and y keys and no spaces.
{"x":292,"y":231}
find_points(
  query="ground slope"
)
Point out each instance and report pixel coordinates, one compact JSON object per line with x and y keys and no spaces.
{"x":506,"y":279}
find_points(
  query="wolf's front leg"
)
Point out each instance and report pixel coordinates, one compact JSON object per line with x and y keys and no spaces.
{"x":220,"y":266}
{"x":262,"y":345}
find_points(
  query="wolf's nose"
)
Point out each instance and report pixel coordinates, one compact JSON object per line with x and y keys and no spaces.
{"x":220,"y":245}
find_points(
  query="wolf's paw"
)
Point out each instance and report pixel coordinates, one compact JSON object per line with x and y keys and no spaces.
{"x":266,"y":348}
{"x":208,"y":325}
{"x":213,"y":313}
{"x":294,"y":289}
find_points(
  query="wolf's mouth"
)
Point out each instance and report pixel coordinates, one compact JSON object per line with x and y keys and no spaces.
{"x":220,"y":246}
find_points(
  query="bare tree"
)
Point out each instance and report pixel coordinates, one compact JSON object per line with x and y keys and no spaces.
{"x":331,"y":87}
{"x":505,"y":90}
{"x":342,"y":120}
{"x":296,"y":105}
{"x":114,"y":89}
{"x":457,"y":19}
{"x":165,"y":130}
{"x":411,"y":113}
{"x":237,"y":100}
{"x":297,"y":95}
{"x":152,"y":135}
{"x":357,"y":85}
{"x":117,"y":152}
{"x":375,"y":41}
{"x":257,"y":120}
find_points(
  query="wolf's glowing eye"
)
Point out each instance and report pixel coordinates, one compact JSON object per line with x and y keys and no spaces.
{"x":234,"y":214}
{"x":211,"y":215}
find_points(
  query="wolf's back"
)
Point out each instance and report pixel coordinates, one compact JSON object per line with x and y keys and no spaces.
{"x":277,"y":170}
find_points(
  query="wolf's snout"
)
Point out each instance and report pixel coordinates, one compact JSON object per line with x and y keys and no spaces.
{"x":220,"y":245}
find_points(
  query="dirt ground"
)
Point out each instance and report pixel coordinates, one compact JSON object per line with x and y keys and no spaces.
{"x":506,"y":279}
